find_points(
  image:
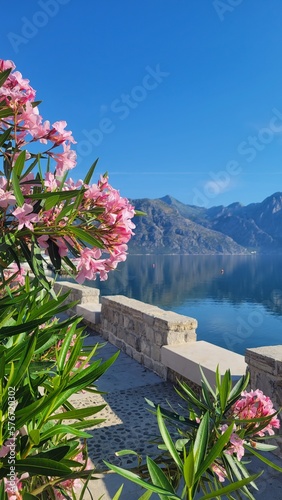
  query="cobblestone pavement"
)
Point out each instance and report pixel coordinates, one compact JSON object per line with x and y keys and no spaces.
{"x":130,"y":425}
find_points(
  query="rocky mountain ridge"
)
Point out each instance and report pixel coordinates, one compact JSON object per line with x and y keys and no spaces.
{"x":174,"y":227}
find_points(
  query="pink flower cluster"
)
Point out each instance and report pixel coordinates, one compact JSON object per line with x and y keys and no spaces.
{"x":255,"y":404}
{"x":251,"y":405}
{"x":111,"y":226}
{"x":71,"y":486}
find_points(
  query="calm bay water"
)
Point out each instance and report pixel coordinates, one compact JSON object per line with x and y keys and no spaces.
{"x":237,"y":300}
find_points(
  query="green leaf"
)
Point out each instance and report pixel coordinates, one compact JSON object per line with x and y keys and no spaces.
{"x":136,"y":479}
{"x":206,"y":382}
{"x":34,"y":435}
{"x":238,"y":388}
{"x":63,"y":195}
{"x":263,"y":459}
{"x":64,"y":429}
{"x":86,"y":237}
{"x":191,"y":396}
{"x":15,"y":178}
{"x":29,"y":496}
{"x":42,"y":466}
{"x":214,"y":452}
{"x":168,"y":441}
{"x":201,"y":441}
{"x":57,"y":453}
{"x":224,"y":389}
{"x":158,"y":477}
{"x":5,"y":136}
{"x":231,"y":487}
{"x":4,"y":75}
{"x":189,"y":470}
{"x":80,"y":413}
{"x":118,"y":493}
{"x":51,"y":202}
{"x":90,"y":172}
{"x":265,"y":447}
{"x":19,"y":164}
{"x":146,"y":496}
{"x":122,"y":453}
{"x":239,"y":471}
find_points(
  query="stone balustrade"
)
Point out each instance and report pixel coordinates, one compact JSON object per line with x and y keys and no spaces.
{"x":163,"y":341}
{"x":140,"y":329}
{"x":78,"y":293}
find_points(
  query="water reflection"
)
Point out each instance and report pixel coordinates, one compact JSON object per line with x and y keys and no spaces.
{"x":169,"y":281}
{"x":237,"y":300}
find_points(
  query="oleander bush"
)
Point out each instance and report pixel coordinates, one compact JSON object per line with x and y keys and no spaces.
{"x":83,"y":229}
{"x":216,"y":432}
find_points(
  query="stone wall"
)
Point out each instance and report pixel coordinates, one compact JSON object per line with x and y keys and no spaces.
{"x":265,"y":368}
{"x":78,"y":293}
{"x":140,"y":329}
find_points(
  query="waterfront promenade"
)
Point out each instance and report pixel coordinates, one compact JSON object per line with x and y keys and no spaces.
{"x":129,"y":425}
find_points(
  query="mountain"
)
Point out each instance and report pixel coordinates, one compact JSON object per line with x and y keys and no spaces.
{"x":174,"y":227}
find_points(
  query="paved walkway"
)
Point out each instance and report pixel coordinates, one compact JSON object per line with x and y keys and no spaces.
{"x":129,"y":425}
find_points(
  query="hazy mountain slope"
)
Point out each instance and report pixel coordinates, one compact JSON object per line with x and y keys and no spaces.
{"x":165,"y":230}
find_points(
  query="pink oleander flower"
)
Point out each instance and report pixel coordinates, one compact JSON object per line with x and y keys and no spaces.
{"x":255,"y":404}
{"x":51,"y":183}
{"x":13,"y":489}
{"x":89,"y":264}
{"x":65,"y":161}
{"x":237,"y":446}
{"x":25,"y":216}
{"x":58,"y":134}
{"x":6,"y":198}
{"x":19,"y":274}
{"x":72,"y":486}
{"x":220,"y":472}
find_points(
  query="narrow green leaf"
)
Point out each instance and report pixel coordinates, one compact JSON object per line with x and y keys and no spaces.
{"x":4,"y":75}
{"x":64,"y":429}
{"x":238,"y":388}
{"x":5,"y":136}
{"x":231,"y":487}
{"x":189,"y":470}
{"x":58,"y":453}
{"x":19,"y":164}
{"x":63,"y":195}
{"x":158,"y":477}
{"x":29,"y":496}
{"x":146,"y":496}
{"x":77,"y":414}
{"x":206,"y":382}
{"x":42,"y":466}
{"x":201,"y":441}
{"x":86,"y":237}
{"x":34,"y":435}
{"x":214,"y":452}
{"x":122,"y":453}
{"x":15,"y":178}
{"x":265,"y":447}
{"x":224,"y":389}
{"x":263,"y":459}
{"x":191,"y":396}
{"x":136,"y":479}
{"x":6,"y":112}
{"x":51,"y":202}
{"x":118,"y":493}
{"x":90,"y":172}
{"x":168,"y":441}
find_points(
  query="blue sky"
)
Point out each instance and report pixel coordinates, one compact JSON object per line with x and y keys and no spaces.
{"x":175,"y":97}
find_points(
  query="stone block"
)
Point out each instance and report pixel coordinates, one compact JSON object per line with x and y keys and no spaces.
{"x":90,"y":312}
{"x":185,"y":359}
{"x":145,"y":347}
